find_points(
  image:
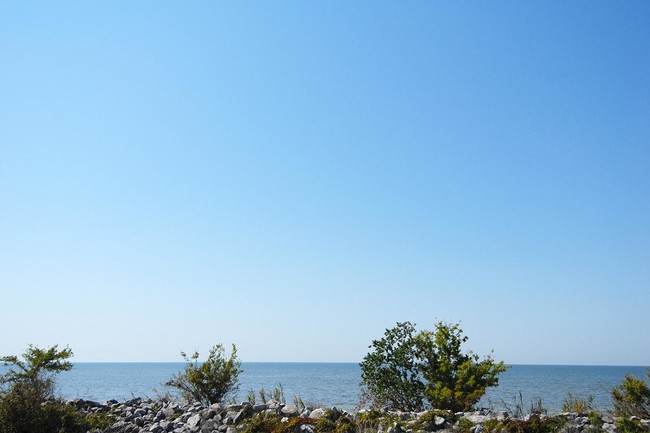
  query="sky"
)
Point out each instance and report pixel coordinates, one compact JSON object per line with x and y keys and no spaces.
{"x":295,"y":177}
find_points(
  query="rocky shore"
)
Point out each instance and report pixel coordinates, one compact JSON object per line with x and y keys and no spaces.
{"x":160,"y":416}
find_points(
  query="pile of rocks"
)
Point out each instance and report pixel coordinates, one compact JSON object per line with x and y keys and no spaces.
{"x":155,"y":416}
{"x":160,"y":416}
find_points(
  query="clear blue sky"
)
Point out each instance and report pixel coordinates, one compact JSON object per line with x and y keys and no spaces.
{"x":295,"y":177}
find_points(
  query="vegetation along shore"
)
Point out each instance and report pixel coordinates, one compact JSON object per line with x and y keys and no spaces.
{"x":412,"y":382}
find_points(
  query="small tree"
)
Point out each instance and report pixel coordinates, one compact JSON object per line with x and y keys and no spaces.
{"x":211,"y":381}
{"x":632,"y":397}
{"x":455,"y":380}
{"x":406,"y":367}
{"x":37,"y":369}
{"x":389,"y":374}
{"x":27,"y":402}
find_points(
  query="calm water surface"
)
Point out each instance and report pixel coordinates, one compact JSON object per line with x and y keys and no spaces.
{"x":337,"y":384}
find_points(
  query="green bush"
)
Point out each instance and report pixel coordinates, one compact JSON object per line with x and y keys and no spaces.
{"x":211,"y":381}
{"x":325,"y":425}
{"x":535,"y":424}
{"x":27,"y":402}
{"x":100,"y":420}
{"x":292,"y":426}
{"x":390,"y":374}
{"x":262,"y":423}
{"x":628,"y":425}
{"x":405,"y":367}
{"x":427,"y":421}
{"x":345,"y":425}
{"x":577,"y":404}
{"x":632,"y":397}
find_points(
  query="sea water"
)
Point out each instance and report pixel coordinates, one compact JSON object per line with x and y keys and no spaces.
{"x":337,"y":384}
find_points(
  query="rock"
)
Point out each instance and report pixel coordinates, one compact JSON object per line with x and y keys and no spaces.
{"x":242,"y":414}
{"x":290,"y":410}
{"x":260,"y":407}
{"x":476,"y":418}
{"x":209,"y":426}
{"x":306,"y":428}
{"x":317,"y":413}
{"x":118,"y":426}
{"x":439,"y":421}
{"x":194,"y":420}
{"x":609,"y":428}
{"x":133,"y":402}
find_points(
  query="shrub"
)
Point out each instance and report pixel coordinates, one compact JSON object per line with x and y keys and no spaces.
{"x":27,"y":402}
{"x":406,"y":367}
{"x":325,"y":425}
{"x":519,"y":409}
{"x":262,"y":423}
{"x":390,"y":374}
{"x":345,"y":425}
{"x":293,"y":425}
{"x":532,"y":425}
{"x":427,"y":421}
{"x":455,"y":380}
{"x":630,"y":425}
{"x":632,"y":397}
{"x":211,"y":381}
{"x":99,"y":420}
{"x":578,"y":405}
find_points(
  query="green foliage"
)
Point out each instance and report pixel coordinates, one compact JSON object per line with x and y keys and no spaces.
{"x":628,"y":425}
{"x":325,"y":425}
{"x":278,"y":393}
{"x":299,"y":403}
{"x":427,"y":421}
{"x":405,"y":367}
{"x":99,"y":420}
{"x":596,"y":422}
{"x":262,"y":395}
{"x":534,"y":424}
{"x":390,"y":374}
{"x":27,"y":402}
{"x":455,"y":380}
{"x":292,"y":426}
{"x":519,"y":408}
{"x":577,"y":404}
{"x":465,"y":425}
{"x":211,"y":381}
{"x":36,"y":369}
{"x":492,"y":425}
{"x":632,"y":397}
{"x":262,"y":423}
{"x":345,"y":425}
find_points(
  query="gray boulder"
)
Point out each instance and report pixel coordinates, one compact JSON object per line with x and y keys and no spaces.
{"x":290,"y":410}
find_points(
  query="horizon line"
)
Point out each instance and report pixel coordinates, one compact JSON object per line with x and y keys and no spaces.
{"x":358,"y":362}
